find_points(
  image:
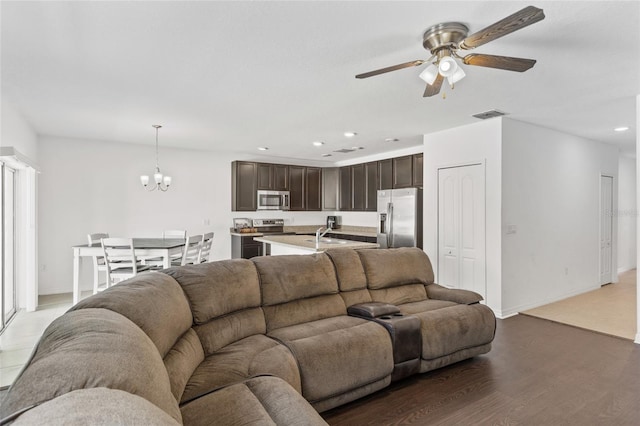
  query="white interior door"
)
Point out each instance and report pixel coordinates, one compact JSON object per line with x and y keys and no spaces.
{"x":606,"y":228}
{"x":461,"y":228}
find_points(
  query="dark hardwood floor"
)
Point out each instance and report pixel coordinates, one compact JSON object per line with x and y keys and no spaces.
{"x":538,"y":373}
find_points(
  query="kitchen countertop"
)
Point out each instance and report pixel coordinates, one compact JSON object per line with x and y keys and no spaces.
{"x":361,"y":231}
{"x":300,"y":242}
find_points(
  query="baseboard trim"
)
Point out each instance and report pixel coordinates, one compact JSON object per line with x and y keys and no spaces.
{"x":624,"y":269}
{"x":516,"y":309}
{"x":637,"y":340}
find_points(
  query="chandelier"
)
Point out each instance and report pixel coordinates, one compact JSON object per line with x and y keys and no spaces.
{"x":161,"y":182}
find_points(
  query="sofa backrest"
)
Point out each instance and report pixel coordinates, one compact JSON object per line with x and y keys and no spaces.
{"x":298,"y":289}
{"x":351,"y":277}
{"x":154,"y":301}
{"x":92,"y":348}
{"x":397,"y":276}
{"x":225,"y":301}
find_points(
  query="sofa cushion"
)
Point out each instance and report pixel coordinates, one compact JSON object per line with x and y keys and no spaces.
{"x":182,"y":360}
{"x":227,"y":329}
{"x":153,"y":301}
{"x":248,"y":357}
{"x":393,"y":267}
{"x":218,"y":288}
{"x":91,"y":348}
{"x":451,"y":329}
{"x":339,"y":354}
{"x":97,"y":406}
{"x":258,"y":401}
{"x":349,"y":270}
{"x":304,"y":310}
{"x":287,"y":278}
{"x":399,"y":295}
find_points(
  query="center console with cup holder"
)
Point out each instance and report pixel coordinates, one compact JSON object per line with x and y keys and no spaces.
{"x":404,"y":331}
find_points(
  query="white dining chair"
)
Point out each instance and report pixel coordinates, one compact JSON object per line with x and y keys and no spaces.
{"x":205,"y":250}
{"x":120,"y":259}
{"x":191,"y":252}
{"x":99,"y":264}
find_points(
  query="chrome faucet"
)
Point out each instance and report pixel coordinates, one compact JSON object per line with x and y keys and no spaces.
{"x":320,"y":235}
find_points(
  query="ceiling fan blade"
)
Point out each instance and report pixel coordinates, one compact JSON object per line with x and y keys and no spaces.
{"x":389,"y":69}
{"x":527,"y":16}
{"x":500,"y":62}
{"x":433,"y":89}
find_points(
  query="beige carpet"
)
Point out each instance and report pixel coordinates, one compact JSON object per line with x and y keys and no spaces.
{"x":609,"y":310}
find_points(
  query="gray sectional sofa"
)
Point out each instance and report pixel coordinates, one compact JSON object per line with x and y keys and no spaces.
{"x":271,"y":340}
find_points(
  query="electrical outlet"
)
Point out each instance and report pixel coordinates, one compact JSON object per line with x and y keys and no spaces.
{"x":206,"y":222}
{"x":512,"y":229}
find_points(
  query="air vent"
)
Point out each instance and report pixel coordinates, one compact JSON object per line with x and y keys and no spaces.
{"x":489,"y":114}
{"x":344,"y":150}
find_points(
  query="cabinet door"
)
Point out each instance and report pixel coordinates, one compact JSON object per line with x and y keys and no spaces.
{"x":371,"y":186}
{"x":345,"y":188}
{"x":403,"y":172}
{"x":243,"y":182}
{"x":313,"y":189}
{"x":358,"y":185}
{"x":385,"y":173}
{"x":417,"y":170}
{"x":250,"y":248}
{"x":265,"y":176}
{"x":330,"y":190}
{"x":296,"y":187}
{"x":280,"y":177}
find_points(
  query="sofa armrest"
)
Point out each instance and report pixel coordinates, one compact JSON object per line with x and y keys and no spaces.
{"x":372,"y":309}
{"x":465,"y":297}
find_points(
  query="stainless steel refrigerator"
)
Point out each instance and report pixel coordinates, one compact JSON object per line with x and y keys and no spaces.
{"x":400,"y":218}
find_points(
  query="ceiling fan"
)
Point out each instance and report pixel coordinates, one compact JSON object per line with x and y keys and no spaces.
{"x":445,"y":40}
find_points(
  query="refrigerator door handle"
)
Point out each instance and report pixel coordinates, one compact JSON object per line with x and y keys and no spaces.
{"x":390,"y":224}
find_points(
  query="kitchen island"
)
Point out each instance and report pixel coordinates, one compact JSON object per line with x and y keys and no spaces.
{"x":306,"y":244}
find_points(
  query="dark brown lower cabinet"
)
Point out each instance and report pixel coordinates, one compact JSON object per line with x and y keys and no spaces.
{"x":245,"y":247}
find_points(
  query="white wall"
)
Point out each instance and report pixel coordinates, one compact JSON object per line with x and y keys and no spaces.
{"x":93,"y":186}
{"x":478,"y":142}
{"x":626,"y":213}
{"x":551,"y":192}
{"x":15,"y":131}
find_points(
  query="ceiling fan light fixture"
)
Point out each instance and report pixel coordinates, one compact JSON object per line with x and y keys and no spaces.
{"x":447,"y":66}
{"x":456,"y":76}
{"x":429,"y":74}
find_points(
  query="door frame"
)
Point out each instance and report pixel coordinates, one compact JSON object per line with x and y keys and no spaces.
{"x":481,"y":163}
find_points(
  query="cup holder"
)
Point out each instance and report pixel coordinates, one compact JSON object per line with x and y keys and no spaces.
{"x":398,"y":314}
{"x":386,"y":317}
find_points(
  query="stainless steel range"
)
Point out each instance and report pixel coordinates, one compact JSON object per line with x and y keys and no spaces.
{"x":269,"y":226}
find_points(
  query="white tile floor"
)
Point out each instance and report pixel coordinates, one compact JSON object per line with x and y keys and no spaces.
{"x":23,"y":332}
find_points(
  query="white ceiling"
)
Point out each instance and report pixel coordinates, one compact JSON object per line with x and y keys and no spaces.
{"x":237,"y":75}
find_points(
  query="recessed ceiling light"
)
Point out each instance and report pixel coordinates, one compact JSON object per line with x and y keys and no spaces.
{"x":318,"y":143}
{"x":621,"y":129}
{"x":326,"y":155}
{"x":263,"y":148}
{"x":350,"y":134}
{"x":391,"y":140}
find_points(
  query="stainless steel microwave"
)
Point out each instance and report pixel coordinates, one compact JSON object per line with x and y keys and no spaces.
{"x":273,"y":200}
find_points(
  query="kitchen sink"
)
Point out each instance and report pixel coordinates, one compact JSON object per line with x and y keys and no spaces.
{"x":328,"y":241}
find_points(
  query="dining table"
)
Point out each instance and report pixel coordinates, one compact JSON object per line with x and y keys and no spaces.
{"x":164,"y":248}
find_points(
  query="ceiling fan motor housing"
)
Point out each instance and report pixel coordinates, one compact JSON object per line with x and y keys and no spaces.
{"x":446,"y":35}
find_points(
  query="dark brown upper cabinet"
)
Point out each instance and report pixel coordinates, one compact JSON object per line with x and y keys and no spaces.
{"x":313,"y":188}
{"x":371,"y":186}
{"x":273,"y":177}
{"x":359,"y":187}
{"x":403,"y":172}
{"x":345,"y":188}
{"x":385,"y":174}
{"x":297,"y":187}
{"x":418,"y":170}
{"x":243,"y":186}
